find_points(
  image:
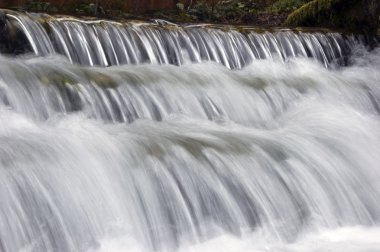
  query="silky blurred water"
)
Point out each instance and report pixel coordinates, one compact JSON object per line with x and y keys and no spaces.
{"x":276,"y":156}
{"x":106,"y":43}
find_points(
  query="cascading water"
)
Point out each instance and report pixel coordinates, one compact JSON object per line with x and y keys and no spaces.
{"x":280,"y":154}
{"x":104,"y":43}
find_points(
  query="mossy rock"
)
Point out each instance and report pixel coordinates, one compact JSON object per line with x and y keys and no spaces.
{"x":55,"y":77}
{"x":59,"y":78}
{"x":361,"y":15}
{"x":281,"y":6}
{"x":100,"y":79}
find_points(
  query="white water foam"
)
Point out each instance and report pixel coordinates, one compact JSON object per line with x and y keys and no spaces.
{"x":305,"y":178}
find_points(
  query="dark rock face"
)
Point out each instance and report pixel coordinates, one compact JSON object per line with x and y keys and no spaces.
{"x":2,"y":31}
{"x":360,"y":15}
{"x":139,"y":5}
{"x":2,"y":17}
{"x":12,"y":40}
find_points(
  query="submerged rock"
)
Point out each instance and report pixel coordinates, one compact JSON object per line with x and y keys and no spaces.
{"x":100,"y":79}
{"x":56,"y":78}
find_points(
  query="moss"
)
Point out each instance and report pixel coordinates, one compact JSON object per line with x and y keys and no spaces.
{"x":350,"y":14}
{"x":309,"y":12}
{"x":286,"y":5}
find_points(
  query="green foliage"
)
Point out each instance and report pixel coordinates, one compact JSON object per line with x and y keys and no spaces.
{"x":92,"y":9}
{"x":225,"y":11}
{"x":202,"y":10}
{"x":47,"y":6}
{"x":41,"y":6}
{"x":235,"y":10}
{"x":287,"y":5}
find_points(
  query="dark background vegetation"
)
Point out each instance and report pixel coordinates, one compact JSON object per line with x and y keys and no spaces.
{"x":350,"y":14}
{"x":265,"y":12}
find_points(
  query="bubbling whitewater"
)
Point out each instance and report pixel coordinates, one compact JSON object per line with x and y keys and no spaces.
{"x":276,"y":156}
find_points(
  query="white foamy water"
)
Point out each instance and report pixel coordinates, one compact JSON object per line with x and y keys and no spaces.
{"x":352,"y":239}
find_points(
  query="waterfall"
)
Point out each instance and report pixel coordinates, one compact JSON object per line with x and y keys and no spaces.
{"x":105,"y":43}
{"x":193,"y":138}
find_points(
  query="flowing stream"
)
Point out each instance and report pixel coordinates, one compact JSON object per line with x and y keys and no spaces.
{"x":156,"y":137}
